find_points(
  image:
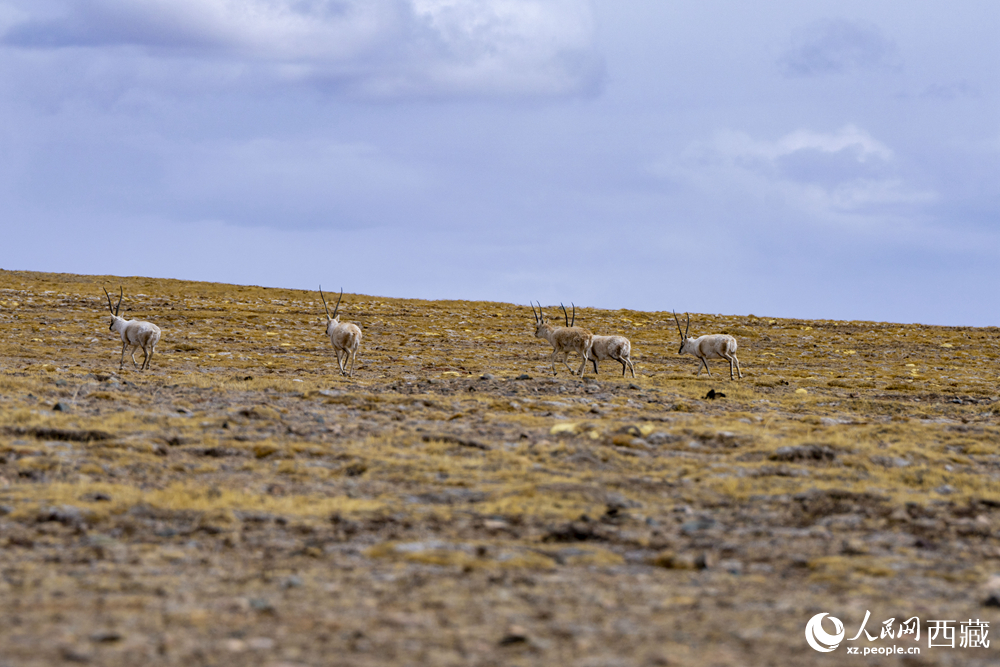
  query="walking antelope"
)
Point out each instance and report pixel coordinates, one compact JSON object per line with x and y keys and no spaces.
{"x":345,"y":337}
{"x":617,"y":348}
{"x":134,"y":333}
{"x":711,"y":346}
{"x":563,"y":339}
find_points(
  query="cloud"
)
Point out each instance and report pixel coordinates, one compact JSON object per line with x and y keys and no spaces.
{"x":366,"y":48}
{"x":951,"y":91}
{"x":844,"y":177}
{"x":835,"y":47}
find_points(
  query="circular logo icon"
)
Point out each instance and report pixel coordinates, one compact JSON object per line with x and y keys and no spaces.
{"x":819,"y":638}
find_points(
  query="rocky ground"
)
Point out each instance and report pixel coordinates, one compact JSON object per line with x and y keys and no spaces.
{"x":457,"y":503}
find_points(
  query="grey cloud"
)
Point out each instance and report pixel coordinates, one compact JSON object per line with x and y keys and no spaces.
{"x":364,"y":48}
{"x":98,"y":24}
{"x":829,"y":168}
{"x":950,"y":91}
{"x":845,"y":178}
{"x":837,"y":46}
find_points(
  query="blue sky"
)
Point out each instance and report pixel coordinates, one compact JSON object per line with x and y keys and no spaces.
{"x":836,"y":160}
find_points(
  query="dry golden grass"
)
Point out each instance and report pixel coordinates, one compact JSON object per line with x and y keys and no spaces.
{"x":244,"y":503}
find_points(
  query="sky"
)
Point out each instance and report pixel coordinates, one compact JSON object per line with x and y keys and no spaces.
{"x":827,"y":160}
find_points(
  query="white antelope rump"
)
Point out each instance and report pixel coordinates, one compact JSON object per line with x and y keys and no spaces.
{"x":134,"y":333}
{"x":617,"y":348}
{"x":563,"y":339}
{"x":345,"y":337}
{"x":711,"y":346}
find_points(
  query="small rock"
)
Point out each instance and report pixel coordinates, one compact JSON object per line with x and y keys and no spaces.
{"x":293,"y":581}
{"x":804,"y":453}
{"x":900,"y":514}
{"x":683,"y":561}
{"x":633,"y":385}
{"x":60,"y":407}
{"x":712,"y":394}
{"x":68,"y":515}
{"x":260,"y":643}
{"x":523,"y":376}
{"x":945,"y":489}
{"x":262,"y":605}
{"x":853,"y":547}
{"x":486,"y":376}
{"x":5,"y":510}
{"x":991,"y":589}
{"x":661,"y":438}
{"x":106,"y":637}
{"x":731,"y":566}
{"x":234,"y":645}
{"x":889,"y":461}
{"x":703,"y":523}
{"x":74,"y":654}
{"x":515,"y":635}
{"x":355,"y":469}
{"x":704,"y":561}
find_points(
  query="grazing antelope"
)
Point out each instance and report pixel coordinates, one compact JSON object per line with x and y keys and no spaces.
{"x":563,"y":339}
{"x":134,"y":333}
{"x":711,"y":346}
{"x":617,"y":348}
{"x":345,"y":337}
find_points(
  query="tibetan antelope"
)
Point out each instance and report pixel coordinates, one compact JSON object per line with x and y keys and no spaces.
{"x":617,"y":348}
{"x":563,"y":339}
{"x":711,"y":346}
{"x":134,"y":333}
{"x":345,"y":337}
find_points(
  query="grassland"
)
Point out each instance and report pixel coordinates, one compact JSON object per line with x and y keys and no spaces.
{"x":455,"y":503}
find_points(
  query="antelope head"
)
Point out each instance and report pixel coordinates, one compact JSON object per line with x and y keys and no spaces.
{"x":331,"y":320}
{"x":684,"y":335}
{"x":114,"y":309}
{"x":540,"y":325}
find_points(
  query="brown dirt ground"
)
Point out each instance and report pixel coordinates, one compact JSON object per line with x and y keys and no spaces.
{"x":455,"y":503}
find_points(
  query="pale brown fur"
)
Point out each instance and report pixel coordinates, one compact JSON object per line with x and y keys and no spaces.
{"x":617,"y":348}
{"x":134,"y":333}
{"x":564,"y":340}
{"x":344,"y":336}
{"x":710,"y":346}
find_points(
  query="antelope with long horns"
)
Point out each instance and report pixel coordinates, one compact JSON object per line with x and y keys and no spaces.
{"x":344,"y":336}
{"x":134,"y":333}
{"x":563,"y":339}
{"x":617,"y":348}
{"x":711,"y":346}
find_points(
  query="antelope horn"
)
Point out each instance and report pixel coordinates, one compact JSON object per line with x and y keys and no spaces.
{"x":565,"y":316}
{"x":541,"y":315}
{"x":337,"y":307}
{"x":573,"y":323}
{"x":110,"y":307}
{"x":533,"y":313}
{"x":328,"y":318}
{"x":678,"y":325}
{"x":121,"y":294}
{"x":688,"y":327}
